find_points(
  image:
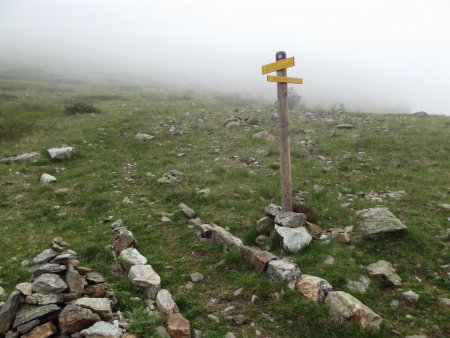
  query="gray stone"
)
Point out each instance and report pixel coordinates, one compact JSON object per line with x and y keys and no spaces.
{"x":49,"y":283}
{"x":95,"y":278}
{"x":227,"y":241}
{"x":230,"y":335}
{"x":100,"y":306}
{"x":145,"y":277}
{"x":411,"y":296}
{"x":24,"y":328}
{"x":130,"y":256}
{"x":329,"y":260}
{"x":21,"y":157}
{"x":171,"y":177}
{"x":74,"y":280}
{"x":37,"y":270}
{"x":294,"y":239}
{"x":102,"y":330}
{"x":188,"y":212}
{"x":262,"y":240}
{"x":75,"y":318}
{"x":45,"y":256}
{"x":360,"y":285}
{"x":444,"y":301}
{"x":344,"y":126}
{"x":196,"y":277}
{"x":141,"y":137}
{"x":290,"y":219}
{"x":117,"y":224}
{"x":384,"y":270}
{"x":376,"y":222}
{"x":346,"y":307}
{"x":284,"y":272}
{"x":62,"y":153}
{"x":25,"y":288}
{"x":162,"y":332}
{"x":265,"y":225}
{"x":2,"y":293}
{"x":51,"y":298}
{"x":313,"y":288}
{"x":272,"y":210}
{"x":165,"y":303}
{"x":8,"y":311}
{"x":28,"y":313}
{"x":214,"y":318}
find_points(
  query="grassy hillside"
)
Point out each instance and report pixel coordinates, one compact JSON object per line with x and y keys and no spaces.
{"x":381,"y":153}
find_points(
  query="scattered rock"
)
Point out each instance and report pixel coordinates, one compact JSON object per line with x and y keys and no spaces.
{"x":129,"y":257}
{"x":188,"y":212}
{"x":376,"y":222}
{"x":62,"y":153}
{"x":171,"y":177}
{"x":284,"y":272}
{"x":265,"y":225}
{"x":313,"y":288}
{"x":196,"y":277}
{"x":290,"y":219}
{"x":384,"y":270}
{"x":361,"y":285}
{"x":46,"y":178}
{"x":411,"y":296}
{"x":178,"y":326}
{"x":346,"y":307}
{"x":294,"y":239}
{"x":102,"y":329}
{"x":21,"y":157}
{"x":258,"y":258}
{"x":49,"y":283}
{"x":141,"y":137}
{"x":145,"y":277}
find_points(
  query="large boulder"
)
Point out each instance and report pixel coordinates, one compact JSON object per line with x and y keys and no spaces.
{"x":377,"y":222}
{"x":345,"y":307}
{"x":294,"y":239}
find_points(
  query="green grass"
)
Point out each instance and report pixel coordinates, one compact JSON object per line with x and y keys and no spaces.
{"x":414,"y":156}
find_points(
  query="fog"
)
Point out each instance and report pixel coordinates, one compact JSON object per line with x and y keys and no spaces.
{"x":371,"y":55}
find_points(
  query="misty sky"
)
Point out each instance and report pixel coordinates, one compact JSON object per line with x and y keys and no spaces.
{"x":373,"y":55}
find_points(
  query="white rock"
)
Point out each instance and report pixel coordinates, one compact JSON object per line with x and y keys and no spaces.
{"x":63,"y":153}
{"x":143,"y":137}
{"x":411,"y":296}
{"x":290,"y":219}
{"x":188,"y":212}
{"x":46,"y":178}
{"x":196,"y":277}
{"x":294,"y":239}
{"x":282,"y":271}
{"x":384,"y":270}
{"x":102,"y":330}
{"x":130,"y":256}
{"x":145,"y":277}
{"x":165,"y":303}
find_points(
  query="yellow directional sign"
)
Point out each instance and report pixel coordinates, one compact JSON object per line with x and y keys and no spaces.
{"x":283,"y":79}
{"x":281,"y":64}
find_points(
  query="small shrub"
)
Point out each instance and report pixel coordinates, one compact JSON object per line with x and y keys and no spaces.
{"x":81,"y":108}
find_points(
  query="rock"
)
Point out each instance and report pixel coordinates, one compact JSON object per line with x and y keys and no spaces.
{"x":313,"y":288}
{"x":227,"y":241}
{"x":283,"y":272}
{"x":102,"y":330}
{"x":58,"y":244}
{"x":344,"y":126}
{"x":75,"y":318}
{"x":8,"y":311}
{"x":73,"y":280}
{"x":145,"y":277}
{"x":420,"y":113}
{"x":62,"y":153}
{"x":96,"y":290}
{"x":314,"y":230}
{"x":45,"y":256}
{"x":265,"y":225}
{"x":394,"y":303}
{"x":346,"y":307}
{"x":262,"y":240}
{"x":196,"y":277}
{"x":95,"y":278}
{"x":124,"y":239}
{"x":342,"y":236}
{"x":43,"y":331}
{"x":178,"y":326}
{"x":188,"y":212}
{"x":24,"y":288}
{"x":21,"y":157}
{"x":376,"y":222}
{"x":214,"y":318}
{"x":28,"y":326}
{"x":165,"y":303}
{"x":2,"y":293}
{"x":240,"y":320}
{"x":12,"y":334}
{"x":272,"y":210}
{"x":361,"y":285}
{"x":290,"y":219}
{"x":258,"y":258}
{"x":230,"y":335}
{"x":171,"y":177}
{"x":49,"y":283}
{"x":294,"y":239}
{"x":129,"y":257}
{"x":162,"y":332}
{"x":100,"y":306}
{"x":117,"y":224}
{"x":141,"y":137}
{"x":384,"y":270}
{"x":27,"y":313}
{"x":46,"y":178}
{"x":126,"y":200}
{"x":264,"y":134}
{"x":51,"y":298}
{"x":411,"y":296}
{"x":444,"y":301}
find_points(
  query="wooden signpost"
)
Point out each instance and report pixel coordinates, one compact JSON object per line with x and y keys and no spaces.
{"x":282,"y":80}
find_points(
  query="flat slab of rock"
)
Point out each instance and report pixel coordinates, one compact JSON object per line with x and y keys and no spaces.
{"x":165,"y":303}
{"x":313,"y":288}
{"x":96,"y":290}
{"x":100,"y":306}
{"x":258,"y":258}
{"x":94,"y":277}
{"x":43,"y":331}
{"x":145,"y":277}
{"x":102,"y":330}
{"x":226,"y":240}
{"x":45,"y":256}
{"x":294,"y":239}
{"x":346,"y":307}
{"x":37,"y":270}
{"x":290,"y":219}
{"x":284,"y":272}
{"x":141,"y":137}
{"x":62,"y":153}
{"x":272,"y":210}
{"x":28,"y":313}
{"x":75,"y":318}
{"x":49,"y":283}
{"x":129,"y":257}
{"x":8,"y":311}
{"x":188,"y":212}
{"x":377,"y":222}
{"x":178,"y":326}
{"x":28,"y":326}
{"x":386,"y":272}
{"x":21,"y":157}
{"x":51,"y":298}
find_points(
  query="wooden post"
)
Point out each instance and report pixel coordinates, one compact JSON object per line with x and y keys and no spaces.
{"x":285,"y":148}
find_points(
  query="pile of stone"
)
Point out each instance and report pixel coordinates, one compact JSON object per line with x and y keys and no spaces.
{"x":63,"y":298}
{"x":234,"y":121}
{"x":171,"y":177}
{"x":160,"y":301}
{"x":343,"y":306}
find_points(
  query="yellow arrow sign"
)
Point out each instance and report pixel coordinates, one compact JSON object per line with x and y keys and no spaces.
{"x":281,"y":64}
{"x":284,"y":79}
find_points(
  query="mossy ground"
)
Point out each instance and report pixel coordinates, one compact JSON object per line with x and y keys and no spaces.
{"x":400,"y":153}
